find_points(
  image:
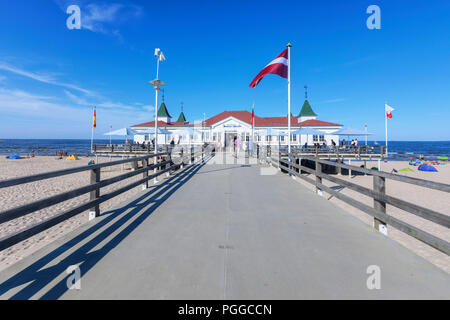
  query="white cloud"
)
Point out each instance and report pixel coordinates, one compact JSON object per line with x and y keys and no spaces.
{"x":42,"y":116}
{"x":46,"y":78}
{"x":139,"y":110}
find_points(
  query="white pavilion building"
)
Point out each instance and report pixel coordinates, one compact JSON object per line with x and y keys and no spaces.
{"x":223,"y":127}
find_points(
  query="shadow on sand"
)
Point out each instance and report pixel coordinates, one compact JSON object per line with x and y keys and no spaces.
{"x":36,"y":278}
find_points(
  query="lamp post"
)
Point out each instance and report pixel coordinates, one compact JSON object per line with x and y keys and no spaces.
{"x":157,"y":84}
{"x":110,"y":139}
{"x":365,"y":130}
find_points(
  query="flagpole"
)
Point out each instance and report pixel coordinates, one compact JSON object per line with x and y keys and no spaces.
{"x":386,"y":128}
{"x":289,"y":98}
{"x":253,"y":129}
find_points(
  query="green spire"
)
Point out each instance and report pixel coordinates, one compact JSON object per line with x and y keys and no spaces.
{"x":181,"y":118}
{"x":306,"y":110}
{"x":162,"y":112}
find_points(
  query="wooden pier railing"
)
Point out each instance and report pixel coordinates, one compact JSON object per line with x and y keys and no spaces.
{"x":293,"y":166}
{"x":164,"y":164}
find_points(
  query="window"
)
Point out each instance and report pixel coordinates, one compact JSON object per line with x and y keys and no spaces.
{"x":282,"y":138}
{"x":322,"y":137}
{"x":293,"y":137}
{"x":315,"y":138}
{"x":214,"y":137}
{"x":258,"y":138}
{"x":267,"y":138}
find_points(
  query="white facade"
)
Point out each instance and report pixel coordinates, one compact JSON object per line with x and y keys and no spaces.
{"x":222,"y":133}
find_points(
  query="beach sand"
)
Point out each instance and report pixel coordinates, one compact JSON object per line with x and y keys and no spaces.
{"x":432,"y":199}
{"x":18,"y":195}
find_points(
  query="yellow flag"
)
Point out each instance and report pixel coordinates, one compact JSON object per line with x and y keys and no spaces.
{"x":94,"y":120}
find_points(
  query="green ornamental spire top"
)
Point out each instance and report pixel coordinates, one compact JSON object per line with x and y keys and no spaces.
{"x":181,"y":118}
{"x":163,"y":112}
{"x":306,"y":110}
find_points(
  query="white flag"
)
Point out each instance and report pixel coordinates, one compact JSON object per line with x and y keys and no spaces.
{"x":388,"y":109}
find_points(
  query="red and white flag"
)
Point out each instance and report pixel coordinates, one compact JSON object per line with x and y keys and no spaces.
{"x":388,"y":110}
{"x":278,"y":66}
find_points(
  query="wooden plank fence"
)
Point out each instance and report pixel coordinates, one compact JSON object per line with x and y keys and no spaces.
{"x":164,"y":164}
{"x":292,"y":165}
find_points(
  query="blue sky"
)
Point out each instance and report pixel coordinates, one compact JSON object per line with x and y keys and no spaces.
{"x":50,"y":76}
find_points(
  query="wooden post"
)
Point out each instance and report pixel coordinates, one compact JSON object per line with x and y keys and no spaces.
{"x":318,"y":179}
{"x":379,"y":185}
{"x":94,"y":178}
{"x":134,"y":164}
{"x":155,"y":179}
{"x":145,"y":174}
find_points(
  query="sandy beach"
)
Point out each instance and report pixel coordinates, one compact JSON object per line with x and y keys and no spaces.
{"x":432,"y":199}
{"x":18,"y":195}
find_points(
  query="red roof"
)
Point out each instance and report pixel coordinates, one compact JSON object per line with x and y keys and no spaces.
{"x":318,"y":123}
{"x":246,"y":117}
{"x":163,"y":124}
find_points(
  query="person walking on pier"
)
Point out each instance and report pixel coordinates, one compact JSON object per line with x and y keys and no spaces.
{"x":237,"y":143}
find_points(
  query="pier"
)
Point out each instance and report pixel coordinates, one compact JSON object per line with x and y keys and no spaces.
{"x":224,"y":228}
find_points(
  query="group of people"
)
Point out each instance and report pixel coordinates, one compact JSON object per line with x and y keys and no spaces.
{"x":323,"y":145}
{"x":353,"y":144}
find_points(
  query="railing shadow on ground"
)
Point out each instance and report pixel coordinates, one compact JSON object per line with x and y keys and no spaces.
{"x":82,"y":256}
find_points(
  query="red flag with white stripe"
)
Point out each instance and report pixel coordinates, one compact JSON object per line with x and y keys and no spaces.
{"x":277,"y":66}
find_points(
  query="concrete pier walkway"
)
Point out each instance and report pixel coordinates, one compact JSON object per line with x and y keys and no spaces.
{"x":224,"y":231}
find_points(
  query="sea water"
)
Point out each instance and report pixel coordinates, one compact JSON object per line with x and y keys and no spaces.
{"x":398,"y":150}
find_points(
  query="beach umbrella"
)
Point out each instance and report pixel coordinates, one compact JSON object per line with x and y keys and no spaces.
{"x":122,"y":132}
{"x":152,"y":131}
{"x":351,"y":132}
{"x":406,"y":170}
{"x":427,"y":167}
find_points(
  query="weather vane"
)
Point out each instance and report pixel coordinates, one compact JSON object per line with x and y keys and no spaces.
{"x":306,"y":92}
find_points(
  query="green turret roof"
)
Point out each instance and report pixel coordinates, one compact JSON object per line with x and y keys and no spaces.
{"x":181,"y":118}
{"x":162,"y":112}
{"x":306,"y":110}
